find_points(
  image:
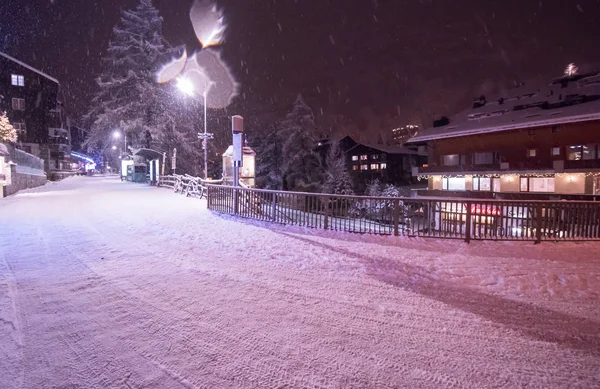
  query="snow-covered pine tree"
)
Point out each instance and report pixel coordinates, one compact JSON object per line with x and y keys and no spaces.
{"x":128,"y":98}
{"x":337,"y":178}
{"x":302,"y":169}
{"x":7,"y":131}
{"x":268,"y":147}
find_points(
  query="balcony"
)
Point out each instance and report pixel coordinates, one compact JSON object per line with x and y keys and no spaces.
{"x":528,"y":165}
{"x":459,"y":169}
{"x":583,"y":164}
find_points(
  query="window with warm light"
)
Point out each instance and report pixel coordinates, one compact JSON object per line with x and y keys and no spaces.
{"x":524,"y":184}
{"x":355,"y":167}
{"x":374,"y":166}
{"x":454,"y":183}
{"x":17,"y":80}
{"x":355,"y":157}
{"x":364,"y":167}
{"x":574,"y":153}
{"x":531,"y":153}
{"x":590,"y":151}
{"x":375,"y":157}
{"x":541,"y":184}
{"x":383,"y":166}
{"x":364,"y":157}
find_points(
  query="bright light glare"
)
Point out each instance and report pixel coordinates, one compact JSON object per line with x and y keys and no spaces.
{"x":185,"y":86}
{"x":116,"y":134}
{"x":114,"y":147}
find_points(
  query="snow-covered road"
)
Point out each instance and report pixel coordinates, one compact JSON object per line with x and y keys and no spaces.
{"x":106,"y":284}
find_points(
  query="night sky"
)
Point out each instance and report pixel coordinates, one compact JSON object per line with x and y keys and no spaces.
{"x":363,"y":66}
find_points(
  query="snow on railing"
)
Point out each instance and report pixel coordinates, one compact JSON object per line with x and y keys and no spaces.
{"x":415,"y":217}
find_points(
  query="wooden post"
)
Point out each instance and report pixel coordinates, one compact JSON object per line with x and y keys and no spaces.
{"x":396,"y":217}
{"x":538,"y":223}
{"x":468,"y":225}
{"x":326,"y":219}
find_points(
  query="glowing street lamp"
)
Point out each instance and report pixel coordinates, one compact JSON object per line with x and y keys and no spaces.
{"x":187,"y":87}
{"x":114,"y":147}
{"x":116,"y":134}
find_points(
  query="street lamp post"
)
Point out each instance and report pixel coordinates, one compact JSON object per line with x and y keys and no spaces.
{"x":117,"y":135}
{"x":187,"y":88}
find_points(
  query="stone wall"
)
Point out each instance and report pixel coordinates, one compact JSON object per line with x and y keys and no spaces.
{"x":17,"y":177}
{"x":19,"y":181}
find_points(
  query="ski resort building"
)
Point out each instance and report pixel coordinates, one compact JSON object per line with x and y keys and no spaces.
{"x":529,"y":143}
{"x":30,"y":98}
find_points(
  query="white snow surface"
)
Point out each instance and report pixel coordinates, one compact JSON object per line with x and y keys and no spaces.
{"x":108,"y":284}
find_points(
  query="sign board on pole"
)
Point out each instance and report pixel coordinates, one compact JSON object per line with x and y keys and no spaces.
{"x":238,"y":142}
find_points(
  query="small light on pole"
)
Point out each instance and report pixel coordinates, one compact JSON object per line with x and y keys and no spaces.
{"x":114,"y":147}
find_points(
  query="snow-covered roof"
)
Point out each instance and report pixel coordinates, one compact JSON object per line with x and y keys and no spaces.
{"x":29,"y":67}
{"x":564,"y":100}
{"x":386,"y":148}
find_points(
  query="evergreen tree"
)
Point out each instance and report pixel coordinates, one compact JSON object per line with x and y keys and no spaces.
{"x":337,"y":178}
{"x":128,"y":98}
{"x":268,"y":147}
{"x":7,"y":131}
{"x":301,"y":168}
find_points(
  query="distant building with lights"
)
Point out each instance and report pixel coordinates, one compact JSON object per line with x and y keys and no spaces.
{"x":366,"y":161}
{"x":400,"y":135}
{"x":31,"y":99}
{"x":533,"y":143}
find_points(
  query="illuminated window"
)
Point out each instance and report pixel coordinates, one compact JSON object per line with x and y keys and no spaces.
{"x":482,"y":183}
{"x":17,"y":80}
{"x":364,"y":157}
{"x":374,"y":166}
{"x":574,"y":153}
{"x":375,"y":157}
{"x":589,"y":151}
{"x":18,"y":104}
{"x":383,"y":166}
{"x":355,"y":167}
{"x":556,"y":151}
{"x":364,"y":167}
{"x":531,"y":153}
{"x":454,"y":183}
{"x":541,"y":184}
{"x":524,"y":184}
{"x":355,"y":157}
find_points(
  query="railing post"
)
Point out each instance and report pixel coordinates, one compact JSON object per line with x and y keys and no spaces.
{"x":274,"y":207}
{"x":396,"y":217}
{"x":235,"y":201}
{"x":468,"y":223}
{"x":207,"y":196}
{"x":538,"y":223}
{"x":326,"y":218}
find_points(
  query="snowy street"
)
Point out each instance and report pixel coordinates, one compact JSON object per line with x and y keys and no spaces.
{"x":109,"y":284}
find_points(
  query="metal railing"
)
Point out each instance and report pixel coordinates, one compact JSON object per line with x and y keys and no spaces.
{"x":23,"y":159}
{"x":467,"y":219}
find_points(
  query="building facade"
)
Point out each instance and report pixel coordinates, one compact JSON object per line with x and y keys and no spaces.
{"x":31,"y":99}
{"x":531,"y":143}
{"x":390,"y":164}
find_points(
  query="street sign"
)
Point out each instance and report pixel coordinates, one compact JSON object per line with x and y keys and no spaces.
{"x":238,"y":142}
